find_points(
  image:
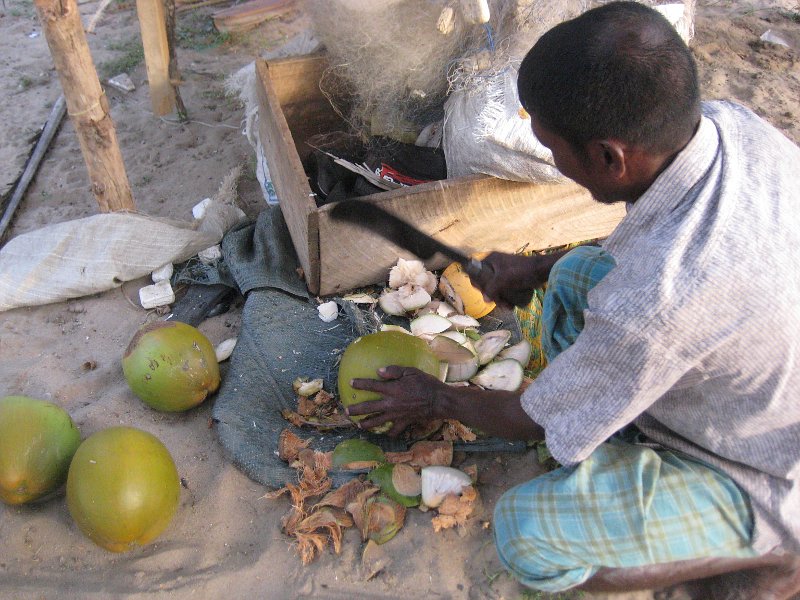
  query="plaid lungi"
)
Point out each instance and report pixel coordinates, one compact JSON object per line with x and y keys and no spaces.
{"x":628,"y":504}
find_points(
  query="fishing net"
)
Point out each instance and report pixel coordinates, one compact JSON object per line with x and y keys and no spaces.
{"x":397,"y":66}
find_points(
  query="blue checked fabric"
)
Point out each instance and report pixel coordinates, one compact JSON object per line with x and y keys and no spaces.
{"x":628,"y":504}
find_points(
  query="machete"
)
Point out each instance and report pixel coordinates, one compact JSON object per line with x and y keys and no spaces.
{"x":391,"y":227}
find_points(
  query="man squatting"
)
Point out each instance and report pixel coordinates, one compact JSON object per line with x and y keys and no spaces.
{"x":671,"y":393}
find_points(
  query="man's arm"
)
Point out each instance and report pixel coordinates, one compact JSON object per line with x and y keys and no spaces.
{"x":410,"y":396}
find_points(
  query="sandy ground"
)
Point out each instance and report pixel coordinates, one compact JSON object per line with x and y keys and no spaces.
{"x":225,"y":540}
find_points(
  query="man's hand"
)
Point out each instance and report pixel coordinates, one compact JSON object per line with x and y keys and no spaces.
{"x":408,"y":396}
{"x":511,"y":277}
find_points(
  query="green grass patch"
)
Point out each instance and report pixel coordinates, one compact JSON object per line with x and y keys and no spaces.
{"x":131,"y":55}
{"x":197,"y":32}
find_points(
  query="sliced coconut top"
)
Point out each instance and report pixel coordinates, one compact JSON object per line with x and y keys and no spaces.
{"x":520,"y":352}
{"x":503,"y":374}
{"x":413,"y":297}
{"x":430,"y":324}
{"x":463,"y":322}
{"x":491,"y":344}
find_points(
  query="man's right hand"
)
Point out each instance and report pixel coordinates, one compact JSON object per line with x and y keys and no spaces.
{"x":510,"y":279}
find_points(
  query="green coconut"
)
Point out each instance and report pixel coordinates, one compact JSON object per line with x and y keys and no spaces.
{"x":171,"y":366}
{"x":37,"y":442}
{"x":367,"y":354}
{"x":123,"y":488}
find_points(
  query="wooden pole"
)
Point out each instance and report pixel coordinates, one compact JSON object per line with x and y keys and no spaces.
{"x":87,"y":105}
{"x":153,"y":25}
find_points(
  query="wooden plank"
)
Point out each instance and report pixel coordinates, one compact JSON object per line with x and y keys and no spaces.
{"x":153,"y":25}
{"x":472,"y":213}
{"x":288,"y":177}
{"x":307,"y":112}
{"x":87,"y":104}
{"x":247,"y":15}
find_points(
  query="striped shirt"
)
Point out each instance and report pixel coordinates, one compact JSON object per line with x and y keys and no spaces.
{"x":695,"y":335}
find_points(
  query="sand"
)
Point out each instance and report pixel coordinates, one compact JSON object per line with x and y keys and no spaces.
{"x":225,"y":540}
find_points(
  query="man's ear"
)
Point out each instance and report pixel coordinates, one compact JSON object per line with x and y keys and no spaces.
{"x":609,"y":156}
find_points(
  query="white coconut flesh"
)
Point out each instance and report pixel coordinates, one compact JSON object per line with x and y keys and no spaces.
{"x":399,"y":302}
{"x":431,"y":307}
{"x":413,"y":297}
{"x":412,"y":272}
{"x":445,"y":310}
{"x":461,"y":322}
{"x":461,"y":363}
{"x":386,"y":327}
{"x":430,"y":325}
{"x":307,"y":388}
{"x":491,"y":344}
{"x":390,"y":303}
{"x":438,"y":482}
{"x":456,"y":336}
{"x":503,"y":374}
{"x":224,"y":349}
{"x":520,"y":352}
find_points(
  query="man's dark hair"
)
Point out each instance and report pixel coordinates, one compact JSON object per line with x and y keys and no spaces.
{"x":618,"y":71}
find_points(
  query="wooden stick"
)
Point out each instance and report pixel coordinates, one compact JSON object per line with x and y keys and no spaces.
{"x":153,"y":24}
{"x":42,"y":144}
{"x":87,"y":105}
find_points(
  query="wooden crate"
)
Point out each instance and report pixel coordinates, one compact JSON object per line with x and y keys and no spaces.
{"x":472,"y":213}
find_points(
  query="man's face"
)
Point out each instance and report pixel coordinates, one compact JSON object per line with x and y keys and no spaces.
{"x":575,"y":165}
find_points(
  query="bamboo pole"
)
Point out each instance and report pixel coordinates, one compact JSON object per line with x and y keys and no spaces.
{"x":87,"y":105}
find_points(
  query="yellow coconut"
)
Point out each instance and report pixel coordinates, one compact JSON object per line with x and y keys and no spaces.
{"x":471,"y":297}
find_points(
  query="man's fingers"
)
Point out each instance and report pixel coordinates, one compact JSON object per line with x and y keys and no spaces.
{"x":365,"y":408}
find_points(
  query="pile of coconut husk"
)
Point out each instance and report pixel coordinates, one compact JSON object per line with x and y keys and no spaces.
{"x":375,"y":501}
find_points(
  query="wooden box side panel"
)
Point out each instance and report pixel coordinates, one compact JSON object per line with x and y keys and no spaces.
{"x":307,"y":111}
{"x":287,"y":174}
{"x":471,"y":213}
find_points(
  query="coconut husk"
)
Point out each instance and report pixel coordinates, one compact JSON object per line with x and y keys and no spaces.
{"x":456,"y":511}
{"x":424,"y":454}
{"x":374,"y":560}
{"x":344,"y":495}
{"x":454,"y":431}
{"x":290,"y":445}
{"x":406,"y":480}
